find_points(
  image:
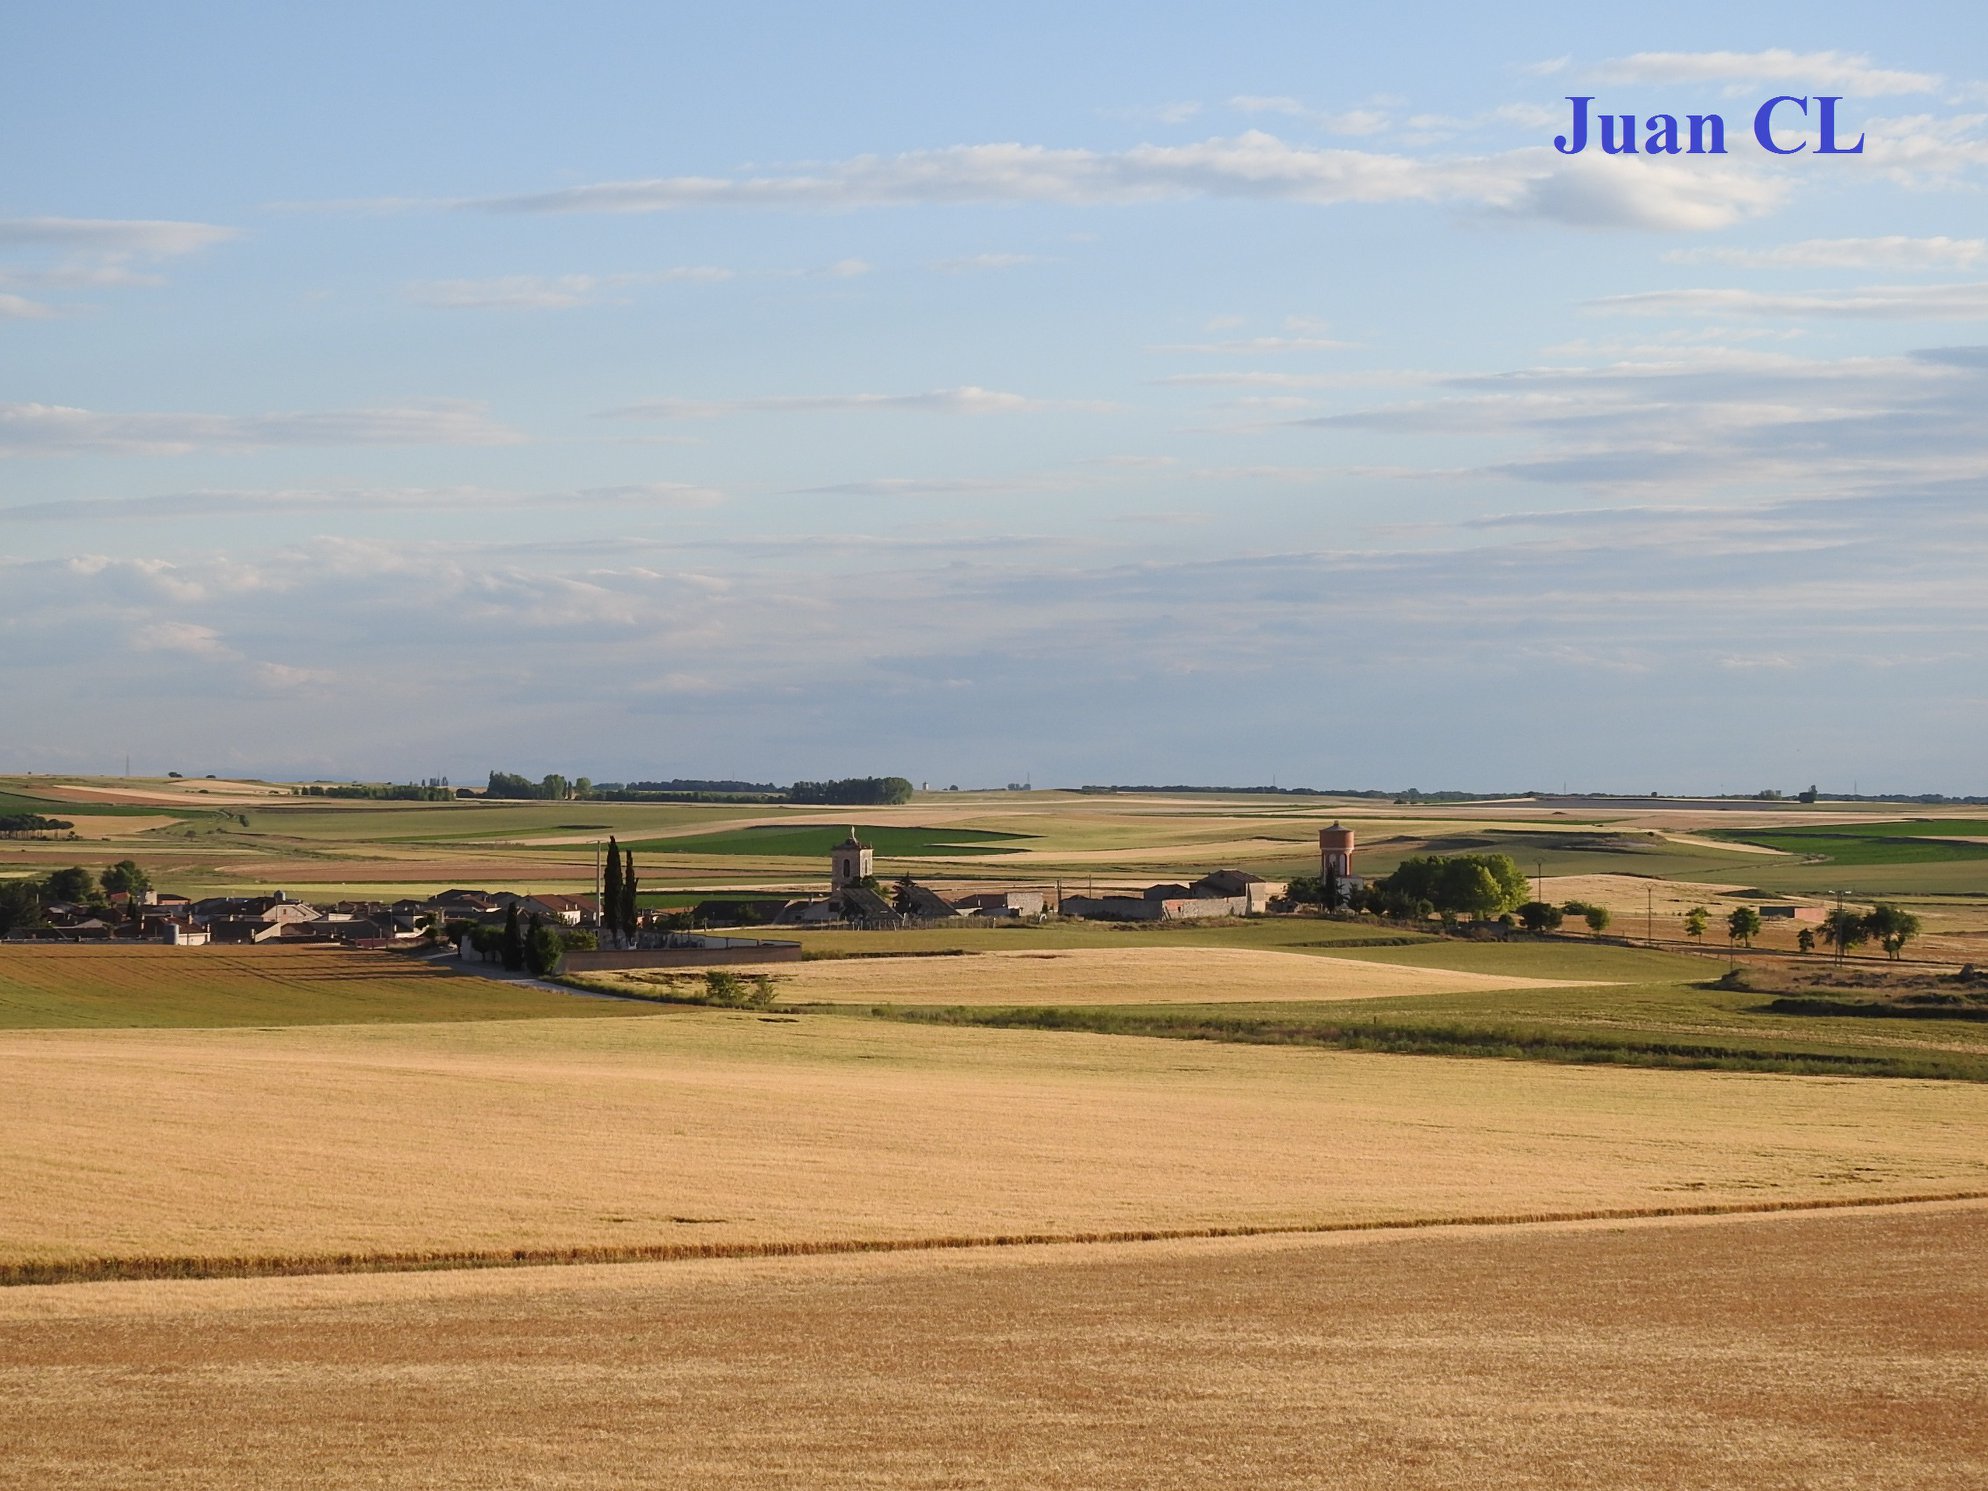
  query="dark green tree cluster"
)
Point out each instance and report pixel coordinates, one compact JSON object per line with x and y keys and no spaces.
{"x":1597,"y":917}
{"x":1888,"y":925}
{"x":381,"y":791}
{"x":1475,"y":885}
{"x":852,"y":792}
{"x":512,"y":787}
{"x":14,"y":824}
{"x":1541,"y":916}
{"x":22,"y":902}
{"x":620,"y":915}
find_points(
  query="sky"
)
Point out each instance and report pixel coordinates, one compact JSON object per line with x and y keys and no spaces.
{"x":1153,"y":393}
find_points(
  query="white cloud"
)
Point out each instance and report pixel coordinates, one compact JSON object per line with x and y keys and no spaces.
{"x":1893,"y":251}
{"x":1621,"y":193}
{"x":1819,"y":72}
{"x":552,"y":292}
{"x":181,"y":636}
{"x":1533,"y":182}
{"x":963,"y":400}
{"x":1173,"y":113}
{"x":20,"y":308}
{"x":1925,"y":151}
{"x":268,"y":502}
{"x":110,"y":236}
{"x":1698,"y":420}
{"x":972,"y":263}
{"x":55,"y":430}
{"x":1247,"y":345}
{"x":1961,"y":302}
{"x":78,"y":276}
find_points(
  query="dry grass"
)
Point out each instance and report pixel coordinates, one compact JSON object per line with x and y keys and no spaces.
{"x":723,"y":1129}
{"x":1118,"y":975}
{"x":1839,"y":1351}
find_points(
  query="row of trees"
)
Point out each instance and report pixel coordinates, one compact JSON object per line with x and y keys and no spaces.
{"x":1544,"y":916}
{"x":529,"y":944}
{"x":1888,"y":925}
{"x":841,"y":792}
{"x":13,"y":825}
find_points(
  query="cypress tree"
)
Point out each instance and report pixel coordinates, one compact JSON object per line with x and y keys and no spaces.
{"x":611,"y":892}
{"x":1331,"y":887}
{"x":628,"y":895}
{"x":514,"y":940}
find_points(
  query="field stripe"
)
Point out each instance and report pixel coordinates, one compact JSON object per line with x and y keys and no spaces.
{"x":139,"y":1267}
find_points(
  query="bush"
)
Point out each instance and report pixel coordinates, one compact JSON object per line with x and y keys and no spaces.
{"x":728,"y":989}
{"x":1540,"y":916}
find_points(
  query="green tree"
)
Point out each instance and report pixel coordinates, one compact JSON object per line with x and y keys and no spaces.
{"x":1305,"y":890}
{"x":1891,"y":927}
{"x":1844,"y":929}
{"x":1469,"y":884}
{"x":20,"y":905}
{"x":514,"y":939}
{"x":126,"y":876}
{"x":1695,"y":921}
{"x":901,"y":896}
{"x":1328,"y":887}
{"x":1597,"y":918}
{"x":1805,"y":940}
{"x":544,"y":947}
{"x":1743,"y":925}
{"x":73,"y":884}
{"x":1540,"y":916}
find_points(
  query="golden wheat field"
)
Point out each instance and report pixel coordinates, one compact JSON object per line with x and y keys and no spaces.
{"x":1834,"y":1350}
{"x":717,"y":1127}
{"x":1133,"y":975}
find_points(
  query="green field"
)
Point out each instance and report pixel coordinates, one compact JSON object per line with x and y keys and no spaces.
{"x":1646,"y":1007}
{"x":815,"y":840}
{"x":73,"y":987}
{"x":1921,"y":842}
{"x":1693,"y":1026}
{"x":51,"y":807}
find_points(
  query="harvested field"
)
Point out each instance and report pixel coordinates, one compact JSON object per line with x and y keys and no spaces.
{"x":720,"y":1128}
{"x":1122,"y":975}
{"x":1840,"y":1350}
{"x":149,"y":985}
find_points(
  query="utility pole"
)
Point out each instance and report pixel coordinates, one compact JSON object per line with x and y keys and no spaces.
{"x":1650,"y":915}
{"x":1539,"y":881}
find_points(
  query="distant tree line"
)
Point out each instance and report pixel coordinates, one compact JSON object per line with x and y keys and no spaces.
{"x":843,"y":792}
{"x":13,"y":825}
{"x":382,"y":791}
{"x":1408,"y":794}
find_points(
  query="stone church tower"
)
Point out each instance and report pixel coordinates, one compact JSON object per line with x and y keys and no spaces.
{"x":850,"y":862}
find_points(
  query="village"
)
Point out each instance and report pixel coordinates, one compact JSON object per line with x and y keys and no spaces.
{"x":114,"y":908}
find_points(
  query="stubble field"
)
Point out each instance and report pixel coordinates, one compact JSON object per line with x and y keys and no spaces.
{"x":1822,"y":1352}
{"x":325,"y":1146}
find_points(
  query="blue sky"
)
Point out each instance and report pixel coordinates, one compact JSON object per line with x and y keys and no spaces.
{"x":1154,"y":393}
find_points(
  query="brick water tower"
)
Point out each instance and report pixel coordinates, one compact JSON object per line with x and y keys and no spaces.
{"x":1335,"y":852}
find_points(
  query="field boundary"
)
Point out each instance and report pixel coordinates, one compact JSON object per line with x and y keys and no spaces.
{"x":139,"y":1268}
